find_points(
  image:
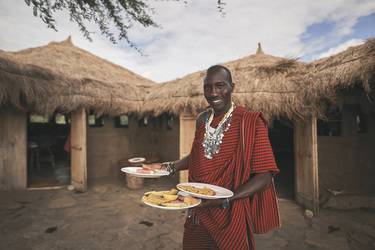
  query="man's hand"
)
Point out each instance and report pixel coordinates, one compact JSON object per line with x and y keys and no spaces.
{"x":210,"y":203}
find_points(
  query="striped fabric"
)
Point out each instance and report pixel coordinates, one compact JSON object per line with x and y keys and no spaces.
{"x":233,"y":228}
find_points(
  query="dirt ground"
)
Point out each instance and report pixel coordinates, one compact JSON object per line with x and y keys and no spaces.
{"x":111,"y":216}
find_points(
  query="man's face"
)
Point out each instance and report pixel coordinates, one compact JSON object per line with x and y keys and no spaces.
{"x":218,"y":90}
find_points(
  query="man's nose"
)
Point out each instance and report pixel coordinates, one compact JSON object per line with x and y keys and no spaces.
{"x":214,"y":92}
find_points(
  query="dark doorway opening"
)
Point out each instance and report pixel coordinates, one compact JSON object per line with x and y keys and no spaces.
{"x":281,"y":134}
{"x":48,"y":164}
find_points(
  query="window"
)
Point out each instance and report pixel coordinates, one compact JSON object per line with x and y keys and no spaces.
{"x":143,"y":122}
{"x":361,"y":123}
{"x":92,"y":121}
{"x":332,"y":125}
{"x":169,"y":122}
{"x":122,"y":121}
{"x":61,"y":119}
{"x":38,"y":118}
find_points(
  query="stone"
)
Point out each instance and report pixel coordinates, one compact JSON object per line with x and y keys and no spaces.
{"x":62,"y":202}
{"x":33,"y":195}
{"x":325,"y":240}
{"x":110,"y":218}
{"x":104,"y":204}
{"x":282,"y":243}
{"x":105,"y":236}
{"x":100,"y":189}
{"x":350,"y":202}
{"x":295,"y":219}
{"x":361,"y":238}
{"x":17,"y":224}
{"x":10,"y":205}
{"x":309,"y":214}
{"x":33,"y":231}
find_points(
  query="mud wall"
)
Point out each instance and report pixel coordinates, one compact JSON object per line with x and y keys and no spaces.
{"x":347,"y":162}
{"x":13,"y":151}
{"x":108,"y":144}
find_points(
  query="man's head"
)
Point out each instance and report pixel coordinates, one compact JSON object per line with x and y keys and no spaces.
{"x":218,"y":88}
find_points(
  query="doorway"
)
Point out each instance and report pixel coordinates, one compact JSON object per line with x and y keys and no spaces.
{"x":281,"y":134}
{"x":48,"y":164}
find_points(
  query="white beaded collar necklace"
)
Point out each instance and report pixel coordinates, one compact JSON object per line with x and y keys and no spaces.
{"x":213,"y":137}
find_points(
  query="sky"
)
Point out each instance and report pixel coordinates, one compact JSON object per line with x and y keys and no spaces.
{"x":195,"y":35}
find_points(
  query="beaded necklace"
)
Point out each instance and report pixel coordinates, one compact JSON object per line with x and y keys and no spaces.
{"x":213,"y":137}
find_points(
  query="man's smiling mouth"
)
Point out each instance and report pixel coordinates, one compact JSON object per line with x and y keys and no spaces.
{"x":216,"y":101}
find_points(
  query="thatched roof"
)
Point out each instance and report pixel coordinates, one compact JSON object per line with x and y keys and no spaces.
{"x":62,"y":77}
{"x":276,"y":86}
{"x":63,"y":58}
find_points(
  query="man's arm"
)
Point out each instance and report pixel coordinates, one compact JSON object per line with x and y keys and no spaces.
{"x":256,"y":184}
{"x":180,"y":164}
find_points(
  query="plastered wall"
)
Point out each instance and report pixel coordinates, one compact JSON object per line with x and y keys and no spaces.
{"x":347,"y":162}
{"x":13,"y":151}
{"x":108,"y":144}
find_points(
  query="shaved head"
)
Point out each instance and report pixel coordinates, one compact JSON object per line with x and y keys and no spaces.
{"x":216,"y":68}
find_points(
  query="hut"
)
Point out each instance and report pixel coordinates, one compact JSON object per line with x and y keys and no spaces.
{"x":302,"y":102}
{"x":321,"y":115}
{"x":51,"y":92}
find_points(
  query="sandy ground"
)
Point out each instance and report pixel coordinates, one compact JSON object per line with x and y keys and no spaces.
{"x":111,"y":216}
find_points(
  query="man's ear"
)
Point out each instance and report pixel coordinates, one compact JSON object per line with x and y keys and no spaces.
{"x":232,"y":85}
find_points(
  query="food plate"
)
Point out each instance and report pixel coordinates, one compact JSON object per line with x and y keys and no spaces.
{"x":174,"y":208}
{"x":220,"y":191}
{"x":132,"y":171}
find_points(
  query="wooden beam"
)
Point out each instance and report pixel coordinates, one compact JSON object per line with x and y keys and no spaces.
{"x":78,"y":150}
{"x":187,"y":131}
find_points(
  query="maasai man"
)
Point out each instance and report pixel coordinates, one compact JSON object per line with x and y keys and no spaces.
{"x":231,"y":149}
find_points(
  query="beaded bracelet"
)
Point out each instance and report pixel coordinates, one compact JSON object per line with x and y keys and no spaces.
{"x":169,"y":166}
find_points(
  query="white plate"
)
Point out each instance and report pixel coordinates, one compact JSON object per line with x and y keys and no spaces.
{"x":220,"y":191}
{"x":132,"y":171}
{"x":174,"y":208}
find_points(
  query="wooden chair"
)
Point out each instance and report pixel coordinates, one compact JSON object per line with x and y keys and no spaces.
{"x":43,"y":152}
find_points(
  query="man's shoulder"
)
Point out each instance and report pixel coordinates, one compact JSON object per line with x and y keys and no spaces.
{"x":202,"y":115}
{"x":201,"y":118}
{"x":251,"y":116}
{"x":246,"y":112}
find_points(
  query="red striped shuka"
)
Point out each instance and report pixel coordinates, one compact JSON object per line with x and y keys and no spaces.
{"x":244,"y":152}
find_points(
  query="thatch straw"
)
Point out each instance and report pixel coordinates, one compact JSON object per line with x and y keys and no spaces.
{"x":31,"y":88}
{"x":63,"y":58}
{"x":278,"y":87}
{"x":30,"y":80}
{"x":260,"y":79}
{"x":62,"y":77}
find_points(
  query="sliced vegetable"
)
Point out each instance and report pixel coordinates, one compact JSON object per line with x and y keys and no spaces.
{"x":173,"y":191}
{"x":167,"y":204}
{"x":155,"y":193}
{"x":170,"y":197}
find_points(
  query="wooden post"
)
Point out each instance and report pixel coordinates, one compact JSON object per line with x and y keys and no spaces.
{"x":306,"y":164}
{"x":187,"y":131}
{"x":78,"y":150}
